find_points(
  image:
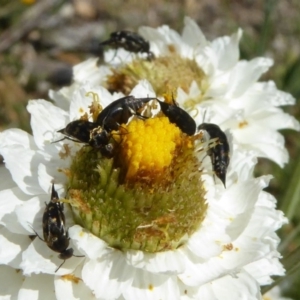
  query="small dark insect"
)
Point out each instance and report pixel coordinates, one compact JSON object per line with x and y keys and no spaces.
{"x":78,"y":131}
{"x":55,"y":234}
{"x":119,"y":112}
{"x":130,"y":41}
{"x":99,"y":139}
{"x":82,"y":131}
{"x":179,"y":117}
{"x":219,"y":154}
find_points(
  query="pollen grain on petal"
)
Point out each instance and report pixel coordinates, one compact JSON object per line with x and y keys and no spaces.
{"x":243,"y":124}
{"x":71,"y":277}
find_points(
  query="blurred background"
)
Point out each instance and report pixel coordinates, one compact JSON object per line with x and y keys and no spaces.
{"x":41,"y":40}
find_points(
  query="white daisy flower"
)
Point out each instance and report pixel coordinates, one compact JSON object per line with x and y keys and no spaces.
{"x":148,"y":209}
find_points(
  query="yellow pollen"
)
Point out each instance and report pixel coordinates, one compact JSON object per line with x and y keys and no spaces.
{"x":95,"y":107}
{"x":243,"y":124}
{"x":228,"y":247}
{"x":71,"y":277}
{"x":65,"y":152}
{"x":148,"y":147}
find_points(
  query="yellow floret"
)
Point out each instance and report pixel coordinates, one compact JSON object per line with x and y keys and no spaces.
{"x":148,"y":147}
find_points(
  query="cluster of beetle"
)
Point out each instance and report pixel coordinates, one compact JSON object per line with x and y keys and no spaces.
{"x":98,"y":134}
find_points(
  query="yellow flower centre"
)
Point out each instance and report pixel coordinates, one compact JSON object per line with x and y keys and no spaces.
{"x":148,"y":148}
{"x":164,"y":73}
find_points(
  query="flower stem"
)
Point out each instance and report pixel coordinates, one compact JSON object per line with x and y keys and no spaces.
{"x":289,"y":239}
{"x":291,"y":199}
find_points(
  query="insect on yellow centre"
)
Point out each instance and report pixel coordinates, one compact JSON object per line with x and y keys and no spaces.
{"x":149,"y":195}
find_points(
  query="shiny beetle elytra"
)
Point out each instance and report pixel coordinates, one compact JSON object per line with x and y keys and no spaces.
{"x":218,"y":153}
{"x":119,"y":112}
{"x":130,"y":41}
{"x":54,"y":229}
{"x":179,"y":117}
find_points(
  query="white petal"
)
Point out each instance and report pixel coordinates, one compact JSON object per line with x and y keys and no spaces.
{"x":45,"y":119}
{"x":244,"y":251}
{"x":265,"y":221}
{"x":37,"y":287}
{"x":171,"y":37}
{"x":151,"y":286}
{"x":6,"y":181}
{"x":208,"y":61}
{"x":11,"y":281}
{"x":9,"y":199}
{"x":276,"y":119}
{"x":263,"y":269}
{"x":244,"y":287}
{"x":227,"y":50}
{"x":11,"y":247}
{"x":168,"y":262}
{"x":143,"y":89}
{"x":156,"y":38}
{"x":267,"y":200}
{"x":245,"y":74}
{"x":28,"y":215}
{"x":83,"y":97}
{"x":242,"y":163}
{"x":274,"y":96}
{"x":188,"y":292}
{"x":199,"y":271}
{"x":108,"y":276}
{"x":268,"y":143}
{"x":71,"y":287}
{"x":89,"y":244}
{"x":192,"y":34}
{"x":87,"y":71}
{"x":80,"y":103}
{"x":15,"y":146}
{"x":241,"y":209}
{"x":212,"y":234}
{"x":12,"y":137}
{"x":62,"y":97}
{"x":50,"y":170}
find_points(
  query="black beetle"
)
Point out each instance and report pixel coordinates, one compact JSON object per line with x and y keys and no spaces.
{"x":130,"y":41}
{"x":119,"y":112}
{"x":179,"y":117}
{"x":54,"y":230}
{"x":91,"y":133}
{"x":218,"y":153}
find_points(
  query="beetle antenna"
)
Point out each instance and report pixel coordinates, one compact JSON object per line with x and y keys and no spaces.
{"x":59,"y":266}
{"x":36,"y":234}
{"x":78,"y":255}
